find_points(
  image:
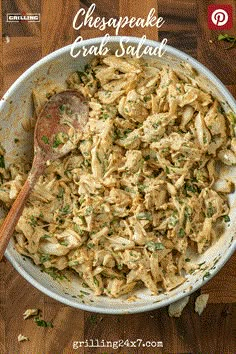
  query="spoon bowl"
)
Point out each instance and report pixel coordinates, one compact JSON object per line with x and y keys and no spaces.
{"x":60,"y":123}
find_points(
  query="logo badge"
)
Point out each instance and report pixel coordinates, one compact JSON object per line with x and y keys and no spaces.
{"x":220,"y":17}
{"x":20,"y":17}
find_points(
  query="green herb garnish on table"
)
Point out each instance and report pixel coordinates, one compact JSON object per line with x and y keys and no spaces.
{"x":42,"y":323}
{"x":228,"y":38}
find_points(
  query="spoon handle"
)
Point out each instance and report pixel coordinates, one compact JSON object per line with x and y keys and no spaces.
{"x":8,"y":226}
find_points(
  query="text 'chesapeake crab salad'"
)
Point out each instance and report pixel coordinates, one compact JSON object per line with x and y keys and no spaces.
{"x":140,"y":188}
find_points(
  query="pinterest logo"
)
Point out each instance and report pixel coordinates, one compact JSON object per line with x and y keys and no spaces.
{"x":220,"y":17}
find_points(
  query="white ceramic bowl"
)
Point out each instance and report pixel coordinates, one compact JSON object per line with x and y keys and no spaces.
{"x":56,"y":67}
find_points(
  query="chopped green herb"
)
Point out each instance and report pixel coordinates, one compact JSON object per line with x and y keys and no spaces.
{"x":141,"y":188}
{"x":125,"y":133}
{"x":44,"y":237}
{"x":232,"y":117}
{"x":73,"y":263}
{"x":84,"y":285}
{"x":90,"y":245}
{"x":165,"y":150}
{"x":120,"y":266}
{"x":96,"y":282}
{"x":220,"y":110}
{"x":45,"y":139}
{"x":188,"y":212}
{"x":65,"y":210}
{"x":81,"y":200}
{"x":144,"y":215}
{"x":147,"y":157}
{"x":190,"y":188}
{"x":57,"y":141}
{"x":16,"y":140}
{"x":2,"y":161}
{"x":146,"y":98}
{"x":88,"y":210}
{"x":181,"y":232}
{"x":84,"y":292}
{"x":167,"y":170}
{"x":100,"y":161}
{"x":187,"y":259}
{"x":210,"y":210}
{"x":60,"y":192}
{"x":155,"y":125}
{"x":206,"y":275}
{"x":93,"y":319}
{"x":64,"y":243}
{"x":60,"y":220}
{"x":154,"y":246}
{"x":54,"y":273}
{"x":228,"y":38}
{"x":105,"y":116}
{"x":87,"y":67}
{"x":173,"y":219}
{"x":226,"y":218}
{"x":78,"y":229}
{"x":81,"y":74}
{"x":62,"y":108}
{"x":45,"y":258}
{"x":33,"y":221}
{"x":42,"y":323}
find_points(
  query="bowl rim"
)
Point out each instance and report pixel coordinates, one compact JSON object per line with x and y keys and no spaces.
{"x":230,"y":100}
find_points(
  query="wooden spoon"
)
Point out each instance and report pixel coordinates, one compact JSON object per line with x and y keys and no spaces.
{"x":58,"y":125}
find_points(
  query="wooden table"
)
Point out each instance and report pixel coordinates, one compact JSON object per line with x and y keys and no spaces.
{"x":213,"y":332}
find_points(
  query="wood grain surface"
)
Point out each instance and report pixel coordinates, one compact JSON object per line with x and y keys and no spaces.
{"x":213,"y":332}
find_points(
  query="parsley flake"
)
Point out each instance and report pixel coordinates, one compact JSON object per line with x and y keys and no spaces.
{"x":154,"y":246}
{"x":42,"y":323}
{"x":226,"y":218}
{"x":45,"y":139}
{"x":57,"y":141}
{"x":2,"y":161}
